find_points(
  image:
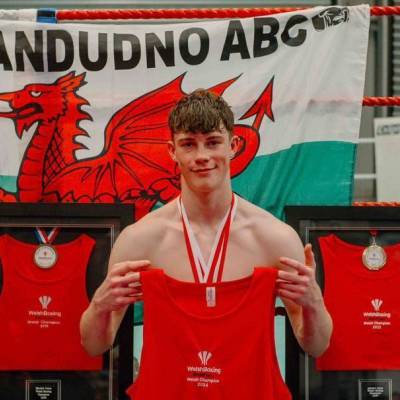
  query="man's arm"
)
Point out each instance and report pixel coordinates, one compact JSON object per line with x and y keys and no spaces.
{"x":299,"y":290}
{"x":121,"y":287}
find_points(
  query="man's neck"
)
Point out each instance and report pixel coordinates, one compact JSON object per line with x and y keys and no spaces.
{"x":206,"y":208}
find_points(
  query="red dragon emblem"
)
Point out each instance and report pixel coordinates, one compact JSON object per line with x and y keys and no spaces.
{"x":134,"y":165}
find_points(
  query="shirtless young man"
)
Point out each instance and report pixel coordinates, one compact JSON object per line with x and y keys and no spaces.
{"x":202,"y":145}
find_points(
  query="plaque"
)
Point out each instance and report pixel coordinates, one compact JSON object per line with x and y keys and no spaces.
{"x":374,"y":389}
{"x":43,"y":389}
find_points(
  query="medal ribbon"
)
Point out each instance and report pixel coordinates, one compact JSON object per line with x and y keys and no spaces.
{"x":45,"y":238}
{"x":212,"y":270}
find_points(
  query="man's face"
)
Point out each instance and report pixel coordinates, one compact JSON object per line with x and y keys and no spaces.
{"x":203,"y":158}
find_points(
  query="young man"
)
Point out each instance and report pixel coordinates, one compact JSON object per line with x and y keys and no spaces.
{"x":202,"y":145}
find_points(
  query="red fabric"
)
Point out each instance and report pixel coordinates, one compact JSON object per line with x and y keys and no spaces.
{"x":34,"y":337}
{"x":364,"y":337}
{"x":195,"y":352}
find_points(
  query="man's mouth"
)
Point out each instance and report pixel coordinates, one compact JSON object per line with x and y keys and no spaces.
{"x":203,"y":170}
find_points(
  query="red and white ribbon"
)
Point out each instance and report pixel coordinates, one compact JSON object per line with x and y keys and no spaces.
{"x":211,"y":271}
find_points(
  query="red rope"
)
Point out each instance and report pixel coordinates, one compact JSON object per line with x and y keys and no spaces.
{"x":190,"y":13}
{"x":376,"y":203}
{"x":381,"y":101}
{"x":185,"y":13}
{"x":385,"y":10}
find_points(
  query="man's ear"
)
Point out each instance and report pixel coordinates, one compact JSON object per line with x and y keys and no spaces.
{"x":171,"y":150}
{"x":234,"y":146}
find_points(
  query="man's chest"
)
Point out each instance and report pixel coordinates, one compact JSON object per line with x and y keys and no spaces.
{"x":243,"y":253}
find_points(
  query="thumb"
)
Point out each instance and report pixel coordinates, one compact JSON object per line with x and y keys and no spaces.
{"x":309,"y":255}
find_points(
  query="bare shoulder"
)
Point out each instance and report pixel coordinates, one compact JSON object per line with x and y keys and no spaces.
{"x":275,"y":236}
{"x":264,"y":222}
{"x":136,"y":241}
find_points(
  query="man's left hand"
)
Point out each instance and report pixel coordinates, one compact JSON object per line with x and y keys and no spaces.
{"x":297,"y":283}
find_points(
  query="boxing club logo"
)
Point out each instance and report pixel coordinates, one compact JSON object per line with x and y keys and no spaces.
{"x":330,"y":17}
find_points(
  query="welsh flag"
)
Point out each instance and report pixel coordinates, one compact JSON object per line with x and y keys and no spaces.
{"x":83,"y":108}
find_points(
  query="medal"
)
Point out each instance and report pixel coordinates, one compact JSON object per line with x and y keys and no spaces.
{"x":374,"y":256}
{"x":45,"y":255}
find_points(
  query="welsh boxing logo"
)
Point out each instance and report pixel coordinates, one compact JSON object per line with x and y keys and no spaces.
{"x":376,"y":303}
{"x":204,"y":357}
{"x":203,"y":376}
{"x":377,"y":319}
{"x":44,"y":301}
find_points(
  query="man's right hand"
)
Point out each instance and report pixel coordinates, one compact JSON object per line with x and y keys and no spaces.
{"x":121,"y":287}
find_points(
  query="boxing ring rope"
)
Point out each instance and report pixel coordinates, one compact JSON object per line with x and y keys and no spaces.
{"x":211,"y":13}
{"x":376,"y":203}
{"x":190,"y":13}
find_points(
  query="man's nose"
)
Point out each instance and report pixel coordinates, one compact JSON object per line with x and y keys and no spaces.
{"x":202,"y":154}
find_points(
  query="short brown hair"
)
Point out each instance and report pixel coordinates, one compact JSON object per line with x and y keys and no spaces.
{"x":200,"y":111}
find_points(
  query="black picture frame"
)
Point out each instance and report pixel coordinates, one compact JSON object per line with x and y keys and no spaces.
{"x":355,"y":225}
{"x":103,"y":223}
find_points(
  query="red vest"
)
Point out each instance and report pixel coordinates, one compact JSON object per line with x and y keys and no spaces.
{"x":40,"y":309}
{"x":365,"y":308}
{"x":194,"y":352}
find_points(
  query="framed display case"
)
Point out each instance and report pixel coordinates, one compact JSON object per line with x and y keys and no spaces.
{"x":357,"y":252}
{"x":52,"y":259}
